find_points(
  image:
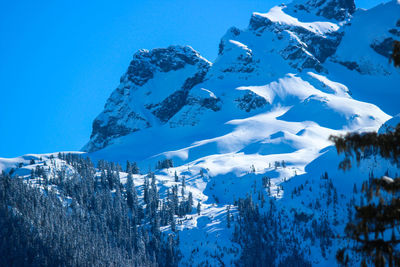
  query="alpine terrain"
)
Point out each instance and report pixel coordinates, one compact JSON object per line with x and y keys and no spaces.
{"x":229,"y":162}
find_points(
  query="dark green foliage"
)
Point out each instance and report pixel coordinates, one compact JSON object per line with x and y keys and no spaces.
{"x":132,"y":168}
{"x":176,"y":178}
{"x":165,"y":164}
{"x":362,"y":145}
{"x":396,"y":54}
{"x":263,"y":239}
{"x":228,"y":216}
{"x":91,"y":220}
{"x":375,"y":226}
{"x":198,"y":208}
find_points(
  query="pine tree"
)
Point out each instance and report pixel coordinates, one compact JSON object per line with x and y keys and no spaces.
{"x":396,"y":54}
{"x":375,"y":226}
{"x":228,"y":216}
{"x":374,"y":221}
{"x":198,"y":208}
{"x":183,"y":181}
{"x":128,"y":167}
{"x":190,"y":203}
{"x":134,"y":168}
{"x":131,"y":197}
{"x":176,"y":178}
{"x":95,"y":229}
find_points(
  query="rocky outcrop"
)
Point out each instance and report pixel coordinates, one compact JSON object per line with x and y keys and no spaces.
{"x":251,"y":101}
{"x":304,"y":45}
{"x":157,"y":86}
{"x":384,"y":47}
{"x":175,"y":87}
{"x":136,"y":104}
{"x":368,"y":40}
{"x":331,"y":9}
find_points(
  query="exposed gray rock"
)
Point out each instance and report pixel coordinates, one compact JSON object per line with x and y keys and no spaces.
{"x":123,"y":113}
{"x":145,"y":63}
{"x":251,"y":101}
{"x":331,"y":9}
{"x":259,"y":23}
{"x":384,"y":47}
{"x":211,"y":103}
{"x":234,"y":32}
{"x":351,"y":65}
{"x":310,"y":52}
{"x":395,"y":32}
{"x":102,"y":134}
{"x":137,"y":103}
{"x":173,"y":103}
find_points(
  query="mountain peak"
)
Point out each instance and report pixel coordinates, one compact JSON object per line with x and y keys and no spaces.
{"x":145,"y":63}
{"x":331,"y":9}
{"x":153,"y":89}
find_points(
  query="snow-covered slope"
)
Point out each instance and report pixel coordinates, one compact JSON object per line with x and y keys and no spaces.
{"x":338,"y":10}
{"x":263,"y":111}
{"x":265,"y":108}
{"x":366,"y":47}
{"x":280,"y":74}
{"x":153,"y":89}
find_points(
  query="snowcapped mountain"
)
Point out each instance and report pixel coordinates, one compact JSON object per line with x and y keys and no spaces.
{"x":257,"y":121}
{"x":290,"y":66}
{"x":276,"y":92}
{"x":153,"y":90}
{"x":374,"y":41}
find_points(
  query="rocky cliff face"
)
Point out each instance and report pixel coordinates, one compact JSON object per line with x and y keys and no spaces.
{"x":175,"y":87}
{"x":158,"y":83}
{"x":367,"y":40}
{"x":302,"y":45}
{"x":154,"y":88}
{"x":331,"y":9}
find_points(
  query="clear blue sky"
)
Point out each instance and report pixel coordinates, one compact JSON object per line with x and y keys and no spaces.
{"x":60,"y":60}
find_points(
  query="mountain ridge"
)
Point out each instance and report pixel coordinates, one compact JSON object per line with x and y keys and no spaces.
{"x":252,"y":129}
{"x":142,"y":69}
{"x":301,"y":45}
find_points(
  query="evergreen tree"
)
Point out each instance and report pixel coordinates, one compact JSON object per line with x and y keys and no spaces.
{"x":198,"y":208}
{"x":190,"y":203}
{"x":395,"y":57}
{"x":228,"y":216}
{"x":135,"y":168}
{"x":375,"y":226}
{"x":128,"y":168}
{"x":97,"y":228}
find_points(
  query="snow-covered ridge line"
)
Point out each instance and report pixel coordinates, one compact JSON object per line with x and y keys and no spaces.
{"x":277,"y":15}
{"x":6,"y":164}
{"x":256,"y":122}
